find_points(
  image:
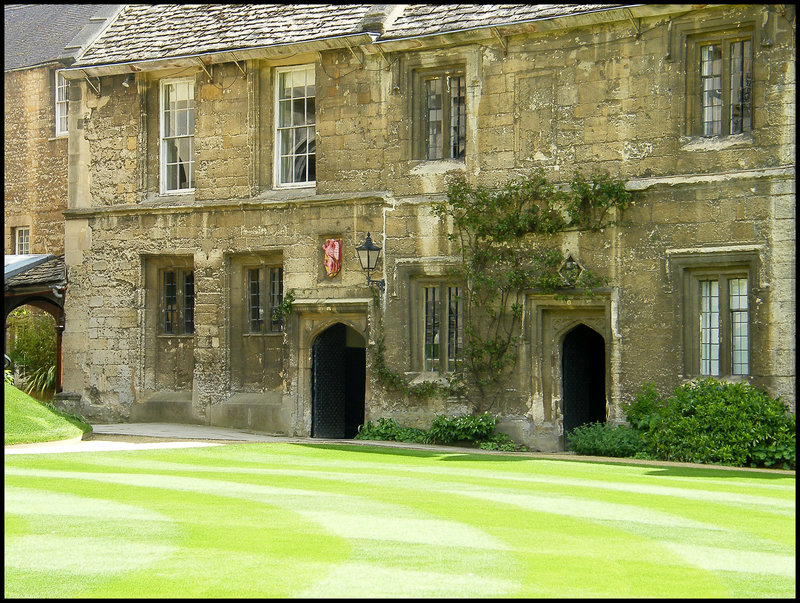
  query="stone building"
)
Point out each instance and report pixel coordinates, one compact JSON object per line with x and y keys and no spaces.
{"x":40,"y":40}
{"x":221,"y":155}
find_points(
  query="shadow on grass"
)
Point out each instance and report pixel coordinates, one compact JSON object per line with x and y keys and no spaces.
{"x":697,"y":470}
{"x":701,"y":471}
{"x":455,"y":455}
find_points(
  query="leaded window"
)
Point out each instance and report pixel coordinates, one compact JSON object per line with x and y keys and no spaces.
{"x":442,"y":309}
{"x":177,"y":302}
{"x":61,"y":104}
{"x":177,"y":135}
{"x":724,"y":326}
{"x":724,"y":94}
{"x":264,"y":296}
{"x":295,"y":130}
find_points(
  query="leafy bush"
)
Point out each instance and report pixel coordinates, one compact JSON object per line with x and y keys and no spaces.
{"x":715,"y":422}
{"x":599,"y":439}
{"x":446,"y":430}
{"x":502,"y":442}
{"x":647,"y":409}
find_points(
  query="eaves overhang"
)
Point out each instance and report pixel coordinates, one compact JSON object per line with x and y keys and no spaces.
{"x":597,"y":16}
{"x":269,"y":51}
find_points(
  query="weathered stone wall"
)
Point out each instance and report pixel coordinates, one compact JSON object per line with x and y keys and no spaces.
{"x":35,"y":161}
{"x":599,"y":97}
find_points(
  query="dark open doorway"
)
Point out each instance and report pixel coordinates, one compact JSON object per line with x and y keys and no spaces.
{"x":584,"y":377}
{"x":338,"y":379}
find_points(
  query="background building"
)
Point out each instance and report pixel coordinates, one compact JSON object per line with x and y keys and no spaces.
{"x":215,"y":164}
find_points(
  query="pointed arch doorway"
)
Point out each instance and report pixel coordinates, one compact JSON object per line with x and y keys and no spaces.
{"x":338,"y":382}
{"x":583,"y":373}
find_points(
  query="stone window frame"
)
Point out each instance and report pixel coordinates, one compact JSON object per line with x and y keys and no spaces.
{"x":277,"y":136}
{"x":162,"y":148}
{"x":22,"y":246}
{"x":725,"y":39}
{"x":268,"y":299}
{"x":418,"y":281}
{"x":61,"y":103}
{"x":689,"y":270}
{"x":420,"y":75}
{"x":183,"y":315}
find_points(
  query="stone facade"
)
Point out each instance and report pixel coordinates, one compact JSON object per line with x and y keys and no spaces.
{"x":585,"y":92}
{"x":35,"y":170}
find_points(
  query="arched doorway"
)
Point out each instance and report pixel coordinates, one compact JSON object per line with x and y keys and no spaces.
{"x":583,"y":370}
{"x":338,"y":380}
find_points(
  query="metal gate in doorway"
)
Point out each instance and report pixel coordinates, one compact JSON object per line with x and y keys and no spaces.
{"x":338,"y":379}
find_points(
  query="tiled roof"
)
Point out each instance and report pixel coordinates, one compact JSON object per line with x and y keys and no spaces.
{"x":145,"y":32}
{"x":142,"y":31}
{"x":51,"y":273}
{"x":429,"y":19}
{"x":36,"y":34}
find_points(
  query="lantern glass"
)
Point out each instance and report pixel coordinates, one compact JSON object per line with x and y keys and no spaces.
{"x":368,"y":254}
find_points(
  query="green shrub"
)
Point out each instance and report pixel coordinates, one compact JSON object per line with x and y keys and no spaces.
{"x":710,"y":421}
{"x":384,"y":429}
{"x":444,"y":430}
{"x":647,"y":409}
{"x":599,"y":439}
{"x":471,"y":428}
{"x":502,"y":442}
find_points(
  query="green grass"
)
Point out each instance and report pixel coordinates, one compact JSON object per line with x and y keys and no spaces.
{"x":313,"y":520}
{"x":26,"y":420}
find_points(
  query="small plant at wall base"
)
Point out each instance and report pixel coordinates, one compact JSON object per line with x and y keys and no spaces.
{"x":477,"y":430}
{"x":507,"y":246}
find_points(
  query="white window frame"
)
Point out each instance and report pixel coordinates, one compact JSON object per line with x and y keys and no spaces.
{"x":162,"y":150}
{"x":19,"y":242}
{"x":279,"y":131}
{"x":61,"y":100}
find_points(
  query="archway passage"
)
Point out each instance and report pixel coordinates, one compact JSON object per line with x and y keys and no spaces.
{"x":338,"y":380}
{"x":584,"y":377}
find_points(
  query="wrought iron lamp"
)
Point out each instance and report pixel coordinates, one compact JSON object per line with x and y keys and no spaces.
{"x":368,"y":255}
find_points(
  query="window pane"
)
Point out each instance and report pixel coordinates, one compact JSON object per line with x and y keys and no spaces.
{"x":275,"y":296}
{"x":177,"y":119}
{"x":296,"y":112}
{"x":458,"y":117}
{"x":454,"y":327}
{"x":284,"y":113}
{"x":23,"y":241}
{"x":740,"y":343}
{"x":255,"y":309}
{"x":740,"y":87}
{"x":431,"y":339}
{"x":62,"y":103}
{"x":711,"y":88}
{"x":709,"y":327}
{"x":170,"y":290}
{"x":433,"y":114}
{"x":188,"y":302}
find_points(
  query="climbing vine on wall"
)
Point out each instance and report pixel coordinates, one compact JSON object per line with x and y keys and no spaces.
{"x":508,"y":247}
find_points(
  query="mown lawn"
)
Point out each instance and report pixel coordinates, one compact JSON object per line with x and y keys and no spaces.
{"x":294,"y":520}
{"x":26,"y":420}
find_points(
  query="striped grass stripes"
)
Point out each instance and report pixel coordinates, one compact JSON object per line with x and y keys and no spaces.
{"x":296,"y":520}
